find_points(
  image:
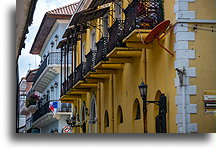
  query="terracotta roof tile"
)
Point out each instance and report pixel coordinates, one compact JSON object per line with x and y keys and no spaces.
{"x":65,"y":10}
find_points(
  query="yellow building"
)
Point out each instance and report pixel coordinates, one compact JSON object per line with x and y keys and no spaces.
{"x":113,"y":52}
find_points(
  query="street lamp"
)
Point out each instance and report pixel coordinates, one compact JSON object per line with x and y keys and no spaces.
{"x":56,"y":37}
{"x":161,"y":118}
{"x":143,"y":90}
{"x":52,"y":44}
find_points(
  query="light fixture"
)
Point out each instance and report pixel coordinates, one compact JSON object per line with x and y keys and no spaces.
{"x":56,"y":37}
{"x":52,"y":88}
{"x":71,"y":121}
{"x":56,"y":84}
{"x":143,"y":90}
{"x":44,"y":56}
{"x":52,"y":44}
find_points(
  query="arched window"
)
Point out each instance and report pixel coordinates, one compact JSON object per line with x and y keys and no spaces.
{"x":156,"y":107}
{"x":83,"y":116}
{"x":106,"y":119}
{"x":119,"y":115}
{"x":136,"y":110}
{"x":93,"y":110}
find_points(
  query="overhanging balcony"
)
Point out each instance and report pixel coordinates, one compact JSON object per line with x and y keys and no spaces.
{"x":141,"y":16}
{"x":116,"y":35}
{"x":90,"y":62}
{"x":44,"y":116}
{"x":79,"y":73}
{"x":101,"y":50}
{"x":48,"y":70}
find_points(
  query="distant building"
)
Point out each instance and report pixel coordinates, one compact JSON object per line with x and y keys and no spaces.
{"x":26,"y":108}
{"x":47,"y":79}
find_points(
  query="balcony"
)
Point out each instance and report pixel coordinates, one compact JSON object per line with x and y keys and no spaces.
{"x":48,"y":70}
{"x":90,"y":62}
{"x":44,"y":116}
{"x":142,"y":15}
{"x":79,"y":73}
{"x":101,"y":50}
{"x":66,"y":85}
{"x":116,"y":35}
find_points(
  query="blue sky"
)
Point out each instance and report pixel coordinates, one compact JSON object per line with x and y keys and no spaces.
{"x":26,"y":60}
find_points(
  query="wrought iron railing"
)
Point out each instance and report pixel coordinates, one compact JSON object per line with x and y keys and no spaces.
{"x":41,"y":69}
{"x":29,"y":123}
{"x":61,"y":107}
{"x":116,"y":35}
{"x":78,"y":75}
{"x":90,"y":62}
{"x":41,"y":111}
{"x":143,"y":14}
{"x":101,"y":50}
{"x":64,"y":88}
{"x":51,"y":59}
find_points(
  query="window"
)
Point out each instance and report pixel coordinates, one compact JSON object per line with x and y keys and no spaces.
{"x":119,"y":115}
{"x":106,"y":119}
{"x":136,"y":110}
{"x":93,"y":111}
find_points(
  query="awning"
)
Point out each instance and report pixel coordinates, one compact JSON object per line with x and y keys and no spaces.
{"x":88,"y":15}
{"x":96,"y":3}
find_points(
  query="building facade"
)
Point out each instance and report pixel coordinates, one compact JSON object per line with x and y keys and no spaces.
{"x":51,"y":114}
{"x":116,"y":45}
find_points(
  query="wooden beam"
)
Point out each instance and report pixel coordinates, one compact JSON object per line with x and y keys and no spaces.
{"x":106,"y":71}
{"x":81,"y":89}
{"x":120,"y":60}
{"x":88,"y":85}
{"x":114,"y":66}
{"x":100,"y":75}
{"x":130,"y":53}
{"x":76,"y":92}
{"x":67,"y":101}
{"x":70,"y":97}
{"x":89,"y":80}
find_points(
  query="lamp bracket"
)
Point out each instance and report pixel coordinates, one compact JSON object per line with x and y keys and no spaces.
{"x":181,"y":73}
{"x":155,"y":102}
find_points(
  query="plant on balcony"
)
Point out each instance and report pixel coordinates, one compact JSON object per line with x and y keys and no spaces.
{"x":32,"y":100}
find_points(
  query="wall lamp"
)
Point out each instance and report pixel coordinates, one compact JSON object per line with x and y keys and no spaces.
{"x":143,"y":88}
{"x":52,"y":44}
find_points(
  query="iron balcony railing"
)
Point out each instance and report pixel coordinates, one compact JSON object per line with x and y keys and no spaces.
{"x":41,"y":111}
{"x":67,"y":84}
{"x":53,"y":58}
{"x":116,"y":35}
{"x":78,"y":75}
{"x":62,"y":107}
{"x":101,"y":50}
{"x":90,"y":62}
{"x":143,"y":14}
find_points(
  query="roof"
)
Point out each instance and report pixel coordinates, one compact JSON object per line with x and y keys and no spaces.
{"x":31,"y":74}
{"x":65,"y":10}
{"x":48,"y":21}
{"x":24,"y":17}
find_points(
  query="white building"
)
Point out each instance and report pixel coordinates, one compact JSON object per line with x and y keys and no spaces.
{"x":47,"y":78}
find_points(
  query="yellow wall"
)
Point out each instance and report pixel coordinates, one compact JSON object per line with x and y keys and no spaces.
{"x":205,"y":80}
{"x":121,"y":88}
{"x":204,"y":9}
